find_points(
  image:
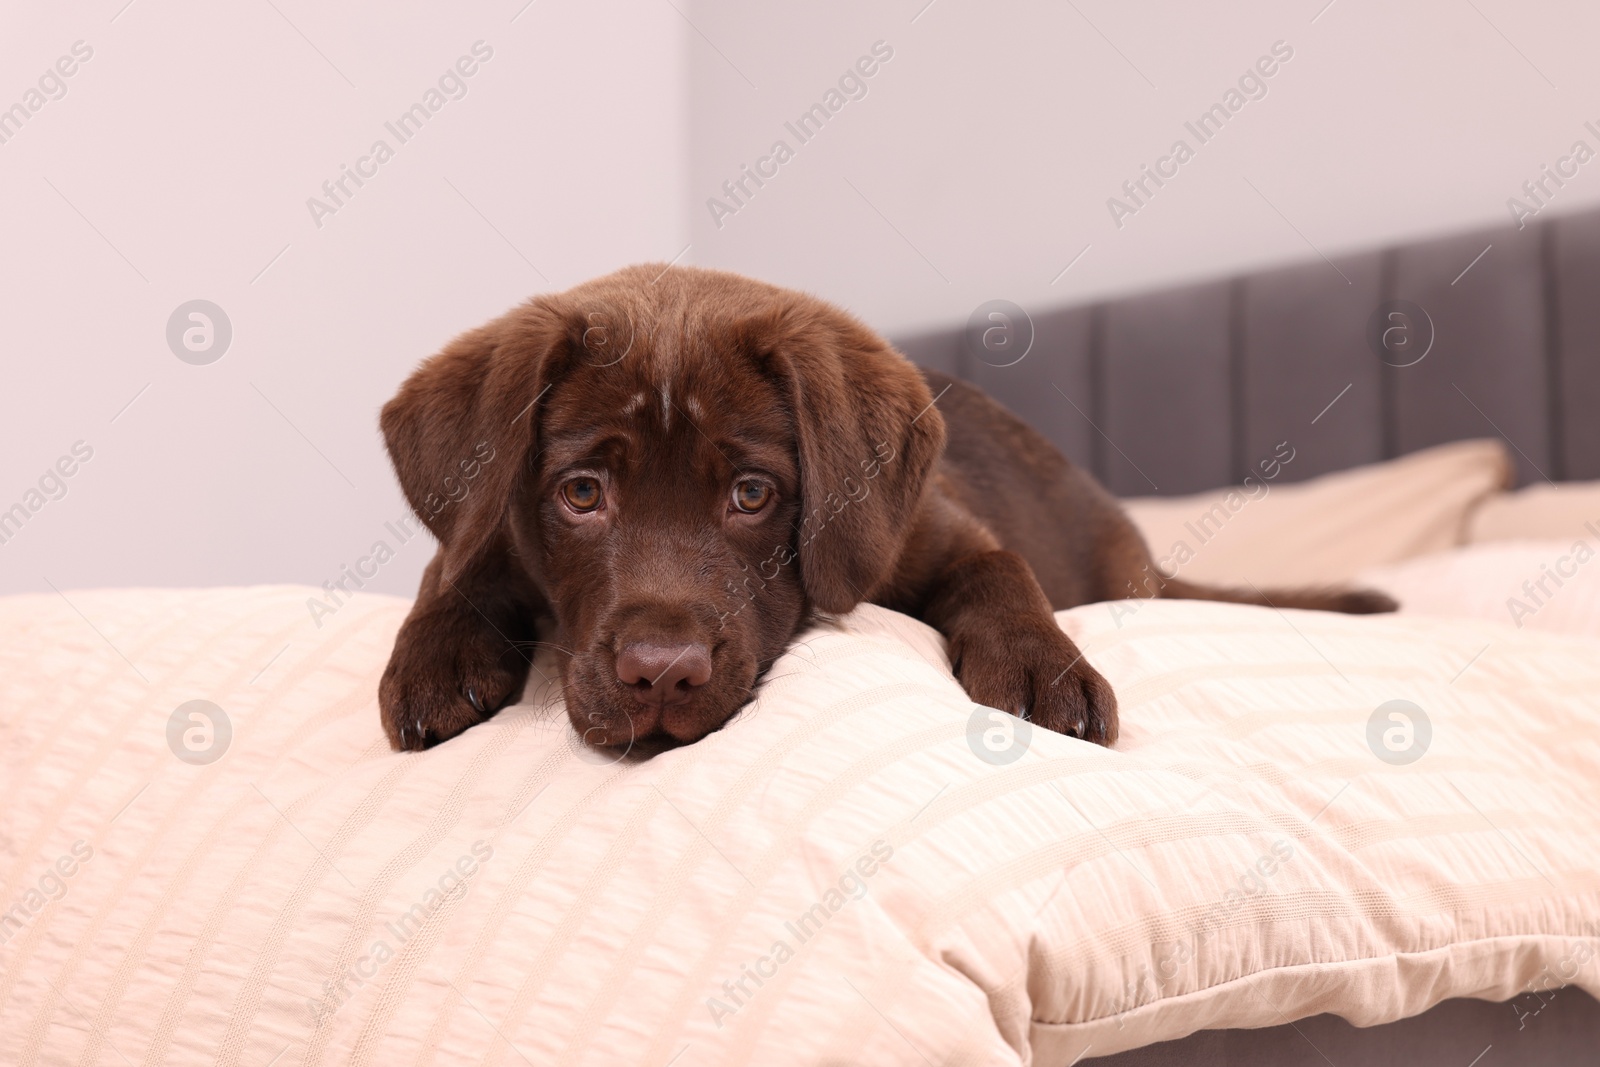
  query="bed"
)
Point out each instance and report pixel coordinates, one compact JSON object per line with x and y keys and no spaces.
{"x":864,"y":868}
{"x":1320,"y":838}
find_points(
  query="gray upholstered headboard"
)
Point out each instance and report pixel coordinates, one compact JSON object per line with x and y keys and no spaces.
{"x":1183,"y":390}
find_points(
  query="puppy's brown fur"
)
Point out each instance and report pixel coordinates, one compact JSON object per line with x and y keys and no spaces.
{"x":675,"y":398}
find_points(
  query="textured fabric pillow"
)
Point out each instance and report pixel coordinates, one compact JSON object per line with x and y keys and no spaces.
{"x":1535,"y":585}
{"x":1539,"y":512}
{"x":863,"y":868}
{"x":1326,"y":529}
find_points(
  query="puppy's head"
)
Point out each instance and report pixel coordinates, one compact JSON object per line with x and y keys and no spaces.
{"x":686,"y":464}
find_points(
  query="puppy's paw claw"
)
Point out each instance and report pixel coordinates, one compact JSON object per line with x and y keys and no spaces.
{"x":1037,"y":674}
{"x":432,"y":691}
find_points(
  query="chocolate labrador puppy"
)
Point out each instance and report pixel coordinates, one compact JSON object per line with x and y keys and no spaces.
{"x":678,"y":468}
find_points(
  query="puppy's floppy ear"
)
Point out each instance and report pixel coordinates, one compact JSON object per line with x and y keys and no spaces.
{"x":867,"y":433}
{"x":460,"y":429}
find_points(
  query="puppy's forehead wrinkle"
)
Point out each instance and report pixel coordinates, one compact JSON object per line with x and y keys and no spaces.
{"x":686,"y":387}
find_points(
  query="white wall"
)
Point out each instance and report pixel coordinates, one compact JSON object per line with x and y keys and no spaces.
{"x":178,"y":165}
{"x":190,"y":142}
{"x":993,"y":139}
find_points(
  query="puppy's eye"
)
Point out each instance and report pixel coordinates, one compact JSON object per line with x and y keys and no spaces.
{"x":750,"y":497}
{"x":581,"y":494}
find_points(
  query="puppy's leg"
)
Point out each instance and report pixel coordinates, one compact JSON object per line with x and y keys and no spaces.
{"x":1005,"y":646}
{"x":457,"y":659}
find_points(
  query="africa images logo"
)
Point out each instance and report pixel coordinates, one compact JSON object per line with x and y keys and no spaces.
{"x":852,"y":85}
{"x":851,"y":886}
{"x":1252,"y":85}
{"x":451,"y":85}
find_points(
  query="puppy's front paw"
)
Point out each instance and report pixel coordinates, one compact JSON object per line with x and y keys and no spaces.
{"x":1037,"y":673}
{"x":445,"y":675}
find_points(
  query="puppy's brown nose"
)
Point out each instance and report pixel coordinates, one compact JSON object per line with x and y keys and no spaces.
{"x":663,"y":674}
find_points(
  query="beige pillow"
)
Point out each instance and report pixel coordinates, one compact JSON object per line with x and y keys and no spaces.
{"x":1529,"y":585}
{"x":862,"y":868}
{"x":1538,"y":513}
{"x":1326,"y":529}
